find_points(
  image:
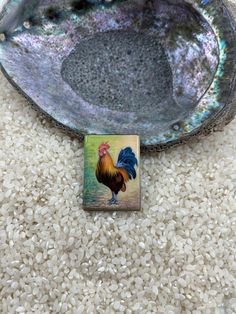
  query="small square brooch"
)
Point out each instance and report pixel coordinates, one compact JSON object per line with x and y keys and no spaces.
{"x":112,"y":172}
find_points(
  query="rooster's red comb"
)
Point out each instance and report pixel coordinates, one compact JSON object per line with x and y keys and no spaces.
{"x":104,"y":145}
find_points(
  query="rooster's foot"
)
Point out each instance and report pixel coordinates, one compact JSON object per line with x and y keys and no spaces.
{"x":112,"y":202}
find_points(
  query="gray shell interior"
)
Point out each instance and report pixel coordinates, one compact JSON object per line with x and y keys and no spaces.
{"x":126,"y":67}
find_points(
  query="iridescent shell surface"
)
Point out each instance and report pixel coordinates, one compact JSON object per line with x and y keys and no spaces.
{"x":163,"y":69}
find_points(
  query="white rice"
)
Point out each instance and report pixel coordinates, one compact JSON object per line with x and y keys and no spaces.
{"x":178,"y":255}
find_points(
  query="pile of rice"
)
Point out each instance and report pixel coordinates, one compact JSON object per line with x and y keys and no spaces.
{"x":178,"y":255}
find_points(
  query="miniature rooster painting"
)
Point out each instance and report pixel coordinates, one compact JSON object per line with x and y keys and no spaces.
{"x":111,"y":174}
{"x":116,"y":176}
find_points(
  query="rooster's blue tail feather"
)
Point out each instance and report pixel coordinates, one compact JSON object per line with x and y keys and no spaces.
{"x":127,"y":160}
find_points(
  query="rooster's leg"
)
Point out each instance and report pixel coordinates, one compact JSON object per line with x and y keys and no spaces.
{"x":113,"y":200}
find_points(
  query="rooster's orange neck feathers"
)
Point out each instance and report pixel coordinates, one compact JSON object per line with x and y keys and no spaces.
{"x":106,"y":164}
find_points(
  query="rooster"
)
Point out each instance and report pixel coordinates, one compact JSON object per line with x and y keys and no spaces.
{"x":116,"y":176}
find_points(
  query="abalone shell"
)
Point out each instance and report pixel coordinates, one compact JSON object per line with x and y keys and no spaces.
{"x":163,"y":69}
